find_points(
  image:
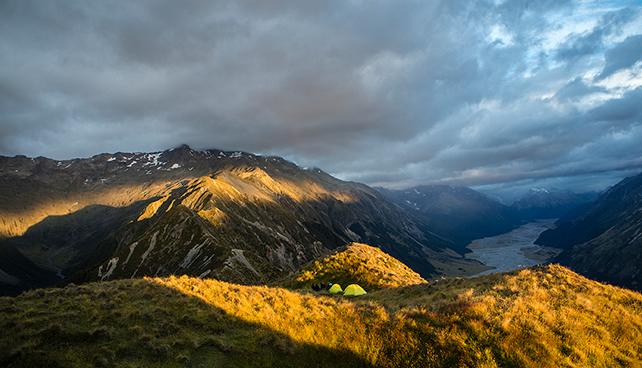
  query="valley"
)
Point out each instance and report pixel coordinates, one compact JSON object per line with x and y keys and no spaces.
{"x":207,"y":258}
{"x":513,"y":250}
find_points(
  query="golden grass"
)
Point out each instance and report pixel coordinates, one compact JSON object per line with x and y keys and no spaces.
{"x":357,"y":263}
{"x":539,"y":317}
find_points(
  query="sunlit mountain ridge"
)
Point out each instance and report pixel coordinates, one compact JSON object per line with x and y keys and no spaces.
{"x":231,"y":215}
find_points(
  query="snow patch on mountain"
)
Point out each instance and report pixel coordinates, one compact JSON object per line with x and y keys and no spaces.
{"x":540,"y":190}
{"x":152,"y":158}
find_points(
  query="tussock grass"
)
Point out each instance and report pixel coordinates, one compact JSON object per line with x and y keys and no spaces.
{"x":538,"y":317}
{"x":357,"y":263}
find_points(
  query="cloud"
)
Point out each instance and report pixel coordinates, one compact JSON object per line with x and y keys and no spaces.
{"x":575,"y":90}
{"x":624,"y":55}
{"x":483,"y":93}
{"x":591,"y":43}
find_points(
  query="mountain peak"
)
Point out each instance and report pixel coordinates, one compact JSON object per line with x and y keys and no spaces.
{"x":541,"y":203}
{"x":181,"y":148}
{"x":540,"y":190}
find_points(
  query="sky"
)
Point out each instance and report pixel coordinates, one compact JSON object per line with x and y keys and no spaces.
{"x":495,"y":95}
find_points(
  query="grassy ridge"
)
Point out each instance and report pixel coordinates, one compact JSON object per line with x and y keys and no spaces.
{"x":539,"y":317}
{"x":357,"y":263}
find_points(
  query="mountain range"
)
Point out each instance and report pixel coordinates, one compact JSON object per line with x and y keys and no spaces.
{"x":605,"y":243}
{"x":600,"y":233}
{"x":250,"y":219}
{"x":234,"y":216}
{"x":470,"y":214}
{"x":548,"y":203}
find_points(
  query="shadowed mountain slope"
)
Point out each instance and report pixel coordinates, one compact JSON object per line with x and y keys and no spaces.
{"x":17,"y":273}
{"x":543,"y":203}
{"x":606,"y":242}
{"x":470,"y":214}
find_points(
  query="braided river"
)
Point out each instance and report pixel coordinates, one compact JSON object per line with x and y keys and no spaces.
{"x":514,"y":250}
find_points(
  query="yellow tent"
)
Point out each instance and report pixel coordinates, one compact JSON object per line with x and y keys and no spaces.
{"x":335,"y":289}
{"x":354,"y":289}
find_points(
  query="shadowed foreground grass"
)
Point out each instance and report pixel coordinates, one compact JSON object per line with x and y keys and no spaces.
{"x":539,"y":317}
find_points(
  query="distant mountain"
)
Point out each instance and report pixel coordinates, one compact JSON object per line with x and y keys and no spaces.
{"x":543,"y":203}
{"x":606,"y":242}
{"x":234,"y":216}
{"x":471,"y":214}
{"x":575,"y":213}
{"x":581,"y":210}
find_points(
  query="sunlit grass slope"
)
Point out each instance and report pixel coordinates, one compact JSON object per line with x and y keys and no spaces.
{"x":540,"y":317}
{"x":357,"y":263}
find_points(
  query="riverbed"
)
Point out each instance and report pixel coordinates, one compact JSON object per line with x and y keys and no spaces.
{"x":514,"y":250}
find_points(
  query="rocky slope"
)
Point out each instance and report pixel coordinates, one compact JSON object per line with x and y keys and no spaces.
{"x":606,"y":242}
{"x":230,"y":215}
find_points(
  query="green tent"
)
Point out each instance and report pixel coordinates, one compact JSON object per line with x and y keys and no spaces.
{"x":354,"y":289}
{"x":335,"y":289}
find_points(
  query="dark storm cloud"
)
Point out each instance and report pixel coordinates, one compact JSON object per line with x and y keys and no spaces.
{"x":623,"y":55}
{"x":626,"y":110}
{"x":577,"y":89}
{"x":587,"y":44}
{"x":495,"y":94}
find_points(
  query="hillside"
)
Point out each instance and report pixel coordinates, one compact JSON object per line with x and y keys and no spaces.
{"x":605,"y":243}
{"x":471,"y":214}
{"x":17,"y":273}
{"x":539,"y":317}
{"x":360,"y":264}
{"x":234,"y":216}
